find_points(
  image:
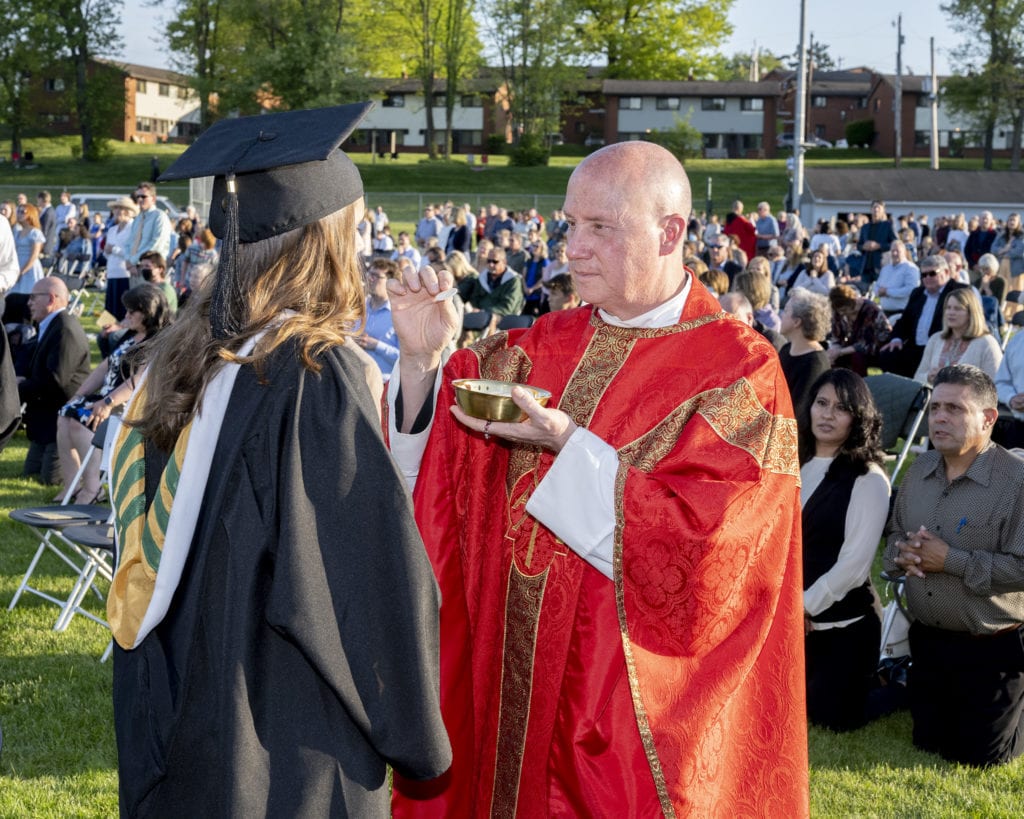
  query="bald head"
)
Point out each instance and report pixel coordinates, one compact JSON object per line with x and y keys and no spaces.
{"x":627,"y":207}
{"x":53,"y":286}
{"x":738,"y":305}
{"x":48,"y":295}
{"x":645,"y":173}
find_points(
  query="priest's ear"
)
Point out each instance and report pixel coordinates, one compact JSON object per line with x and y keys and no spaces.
{"x":673,"y":234}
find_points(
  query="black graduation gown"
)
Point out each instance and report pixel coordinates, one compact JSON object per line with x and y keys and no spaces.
{"x":300,"y":653}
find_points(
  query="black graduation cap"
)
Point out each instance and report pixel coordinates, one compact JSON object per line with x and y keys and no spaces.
{"x":272,"y":173}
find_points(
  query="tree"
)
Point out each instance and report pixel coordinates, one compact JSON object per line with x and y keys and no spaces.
{"x":96,"y":104}
{"x":23,"y":45}
{"x":818,"y":56}
{"x":194,"y":36}
{"x":740,"y":65}
{"x":653,"y":39}
{"x":682,"y":139}
{"x":531,"y":39}
{"x":992,"y":89}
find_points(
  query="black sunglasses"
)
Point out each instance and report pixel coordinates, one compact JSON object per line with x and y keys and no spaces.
{"x":492,"y":261}
{"x":929,"y":272}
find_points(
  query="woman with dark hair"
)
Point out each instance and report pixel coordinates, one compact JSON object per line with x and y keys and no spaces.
{"x":844,"y":494}
{"x":281,"y":649}
{"x":859,"y":329}
{"x":815,"y":276}
{"x":107,"y":389}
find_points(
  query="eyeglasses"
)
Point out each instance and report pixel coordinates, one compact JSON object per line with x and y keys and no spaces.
{"x":141,"y":197}
{"x":38,"y":295}
{"x":926,"y":273}
{"x":493,"y":261}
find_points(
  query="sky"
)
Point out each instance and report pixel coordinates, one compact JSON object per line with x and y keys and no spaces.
{"x":857,"y":33}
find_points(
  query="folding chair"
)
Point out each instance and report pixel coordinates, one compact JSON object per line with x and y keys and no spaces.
{"x":1013,"y":328}
{"x":903,"y":404}
{"x":49,"y":523}
{"x":515,"y":322}
{"x":97,"y":541}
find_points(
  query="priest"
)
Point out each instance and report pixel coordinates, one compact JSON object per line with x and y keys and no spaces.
{"x":621,"y":619}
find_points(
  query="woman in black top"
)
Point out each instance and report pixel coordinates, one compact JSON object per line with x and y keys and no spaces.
{"x":844,"y":494}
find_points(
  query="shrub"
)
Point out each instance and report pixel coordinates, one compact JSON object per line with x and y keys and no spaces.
{"x":530,"y":152}
{"x":496,"y":143}
{"x":861,"y":132}
{"x":682,"y":139}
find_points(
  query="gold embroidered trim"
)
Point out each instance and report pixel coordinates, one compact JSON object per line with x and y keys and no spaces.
{"x":597,"y":367}
{"x":523,"y":599}
{"x":499,"y":362}
{"x":736,"y":415}
{"x":655,"y":332}
{"x":643,"y":724}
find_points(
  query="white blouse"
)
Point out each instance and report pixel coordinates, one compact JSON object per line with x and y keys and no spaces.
{"x":865,"y":520}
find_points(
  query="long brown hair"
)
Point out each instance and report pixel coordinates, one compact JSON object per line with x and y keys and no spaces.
{"x":312,"y":271}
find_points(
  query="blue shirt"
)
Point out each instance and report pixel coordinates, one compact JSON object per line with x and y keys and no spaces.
{"x":46,"y":323}
{"x":380,"y":327}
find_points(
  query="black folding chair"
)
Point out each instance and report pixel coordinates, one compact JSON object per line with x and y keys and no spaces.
{"x":903,"y":404}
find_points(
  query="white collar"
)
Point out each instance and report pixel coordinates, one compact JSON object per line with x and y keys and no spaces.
{"x":664,"y":315}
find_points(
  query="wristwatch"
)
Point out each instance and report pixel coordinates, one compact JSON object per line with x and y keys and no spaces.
{"x":107,"y":401}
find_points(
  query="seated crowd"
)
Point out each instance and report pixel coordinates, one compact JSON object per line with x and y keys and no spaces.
{"x":868,"y":292}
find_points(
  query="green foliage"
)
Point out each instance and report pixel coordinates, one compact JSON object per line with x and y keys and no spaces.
{"x":860,"y":132}
{"x":682,"y":139}
{"x":532,"y":41}
{"x":738,"y":66}
{"x":653,"y":39}
{"x":990,"y":89}
{"x":529,"y":152}
{"x":819,"y":55}
{"x":496,"y":144}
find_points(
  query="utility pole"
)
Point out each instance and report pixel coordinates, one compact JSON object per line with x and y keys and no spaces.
{"x":933,"y":101}
{"x":898,"y":90}
{"x":801,"y":113}
{"x":805,"y":137}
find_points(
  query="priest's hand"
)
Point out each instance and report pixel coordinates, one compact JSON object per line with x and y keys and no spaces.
{"x":547,"y":428}
{"x":423,"y":325}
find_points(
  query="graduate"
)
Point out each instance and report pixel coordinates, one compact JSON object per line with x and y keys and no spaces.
{"x":274,"y":610}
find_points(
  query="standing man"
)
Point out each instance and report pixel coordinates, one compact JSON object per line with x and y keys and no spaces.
{"x":429,"y":227}
{"x":622,"y":622}
{"x":65,"y":211}
{"x":875,"y":238}
{"x":48,"y":224}
{"x":767,"y":228}
{"x":980,"y":241}
{"x":151,"y":229}
{"x":59,"y":365}
{"x":957,"y":532}
{"x":739,"y":226}
{"x":921,"y":318}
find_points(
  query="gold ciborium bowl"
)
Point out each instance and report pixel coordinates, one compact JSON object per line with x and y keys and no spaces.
{"x":492,"y":400}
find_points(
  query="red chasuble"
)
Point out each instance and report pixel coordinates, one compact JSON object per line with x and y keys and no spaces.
{"x":679,"y":687}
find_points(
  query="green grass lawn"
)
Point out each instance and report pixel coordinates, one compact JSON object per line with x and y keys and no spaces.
{"x":59,"y":759}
